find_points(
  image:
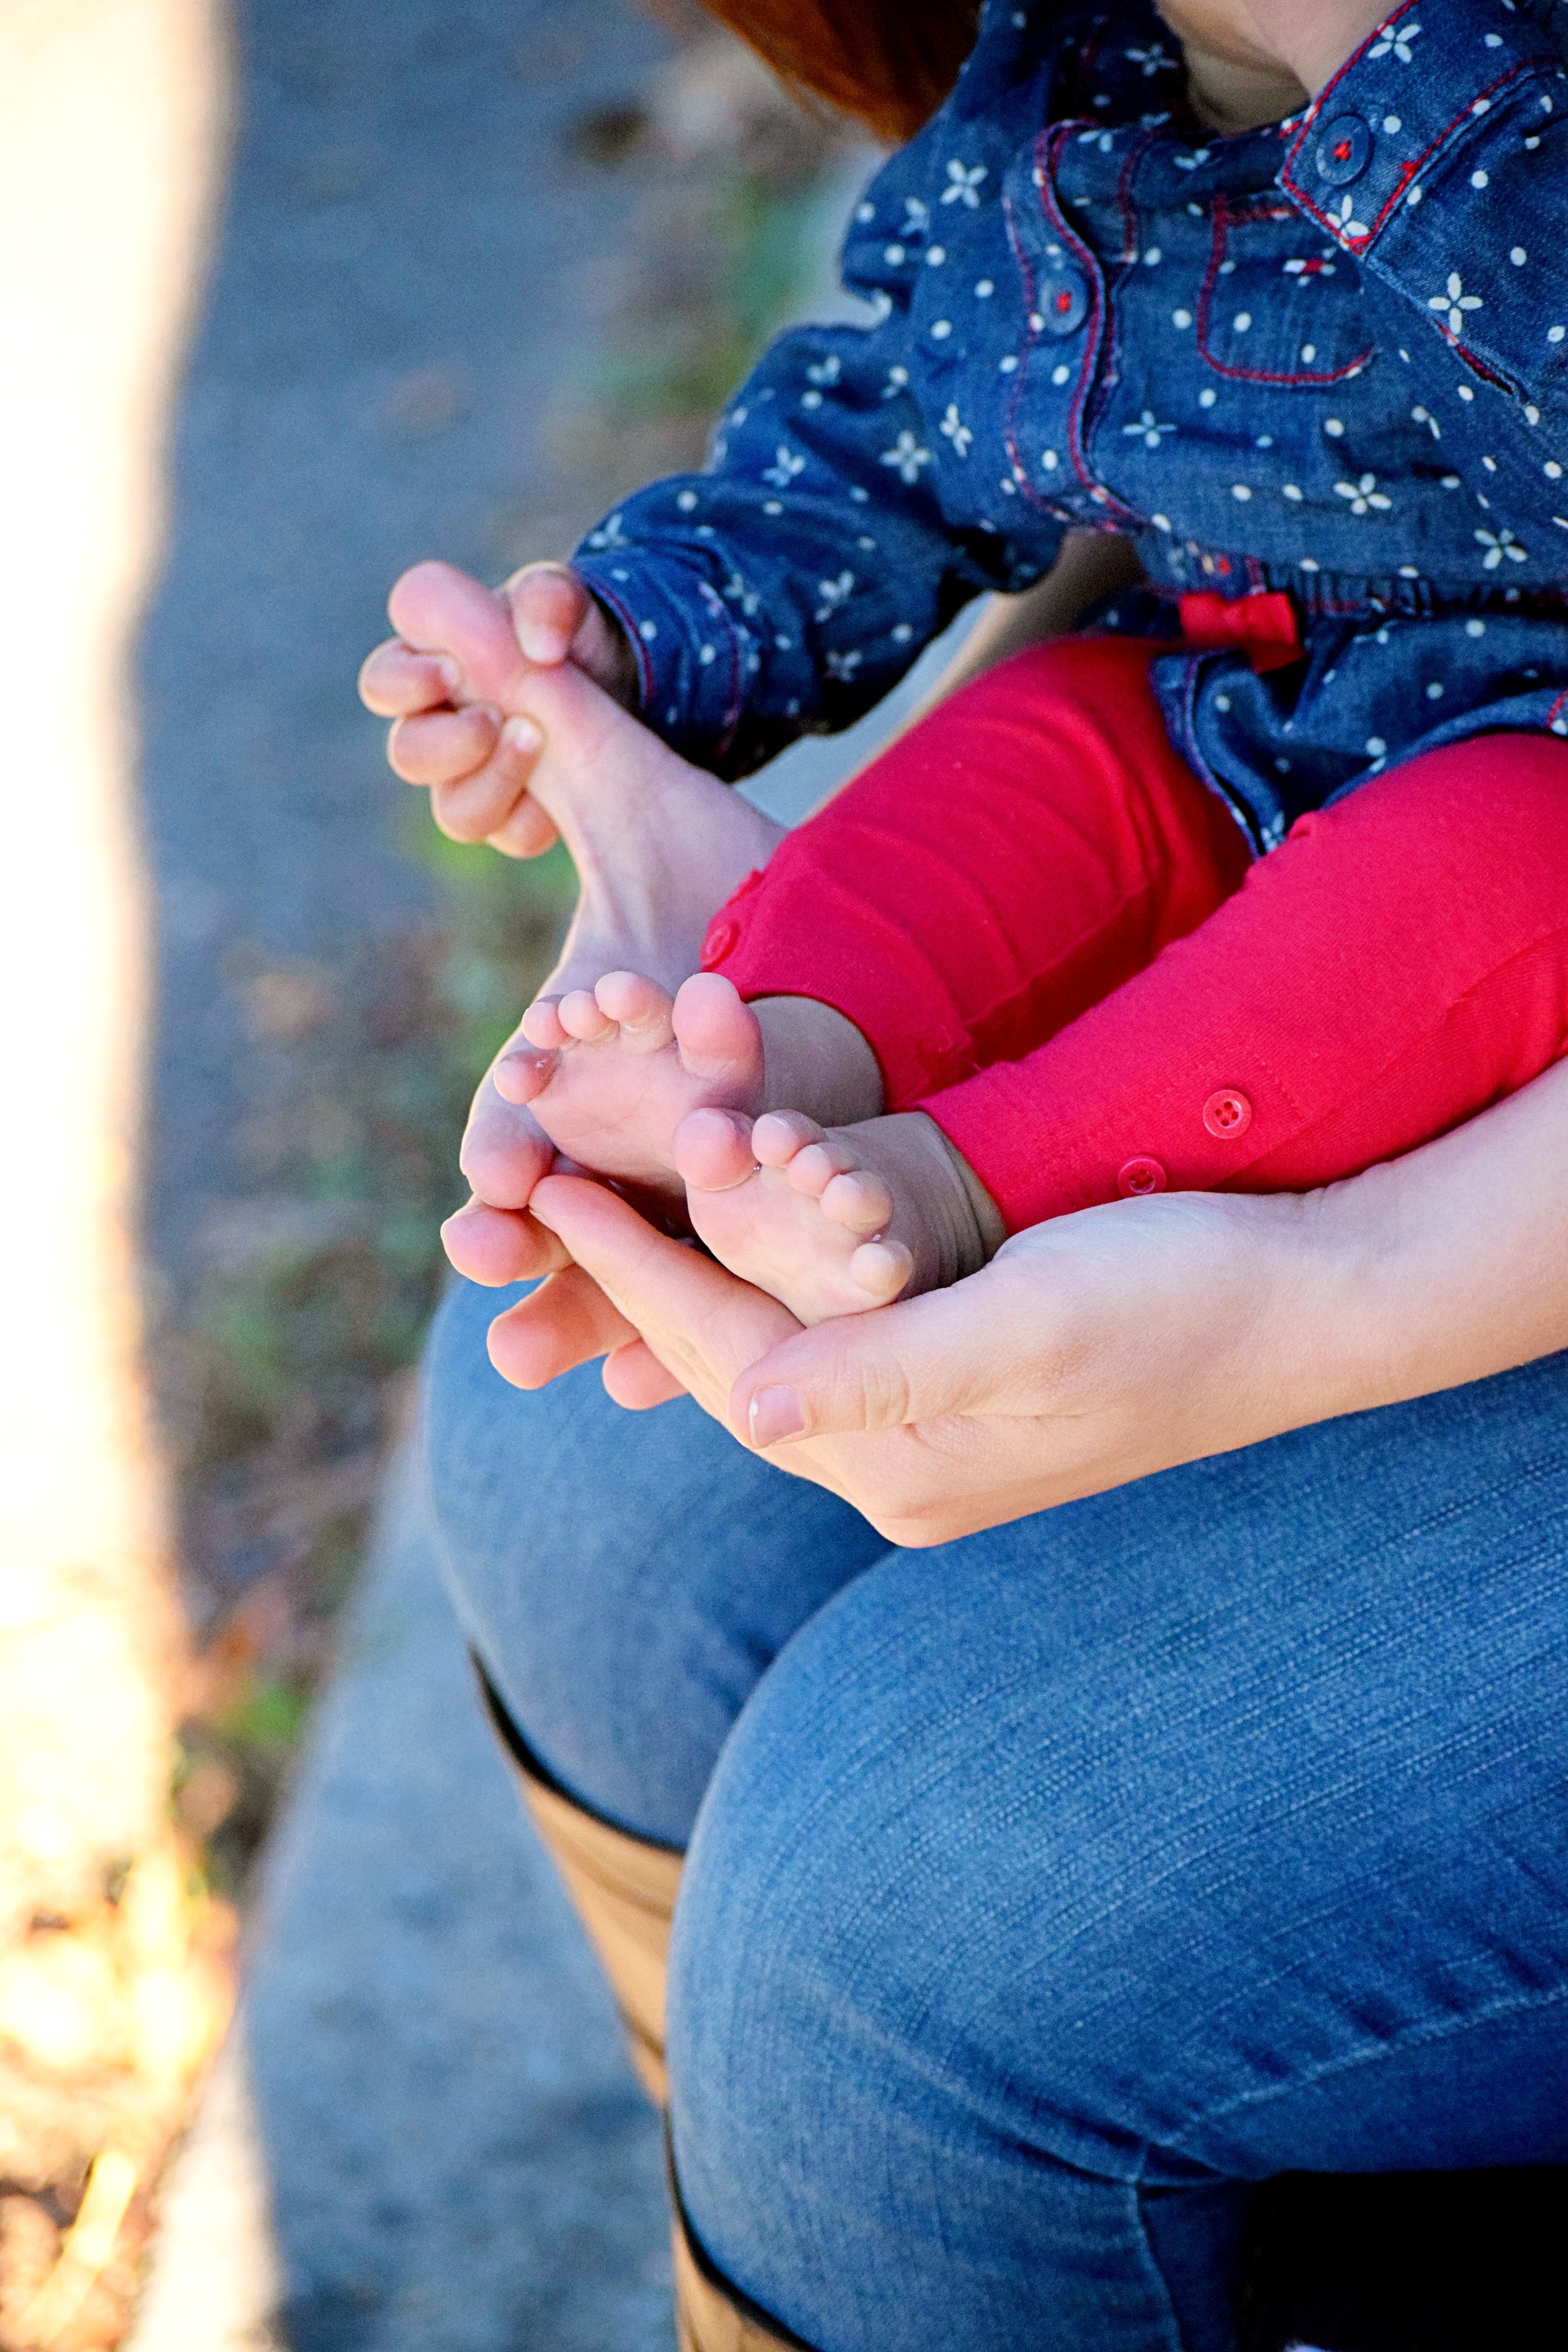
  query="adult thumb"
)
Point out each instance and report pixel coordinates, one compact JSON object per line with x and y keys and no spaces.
{"x":919,"y":1361}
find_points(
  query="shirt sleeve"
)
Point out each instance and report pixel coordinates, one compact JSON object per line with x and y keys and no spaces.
{"x":788,"y":586}
{"x":1438,"y":157}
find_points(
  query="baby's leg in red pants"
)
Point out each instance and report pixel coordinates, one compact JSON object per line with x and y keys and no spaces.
{"x":997,"y":871}
{"x":1033,"y":883}
{"x":1399,"y":964}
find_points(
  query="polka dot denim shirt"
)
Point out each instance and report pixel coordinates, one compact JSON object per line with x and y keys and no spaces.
{"x":1328,"y":358}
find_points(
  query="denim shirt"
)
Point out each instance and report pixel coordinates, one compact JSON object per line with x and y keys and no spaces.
{"x":1328,"y":358}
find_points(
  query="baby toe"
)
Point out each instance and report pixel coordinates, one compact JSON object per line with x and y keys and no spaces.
{"x":881,"y":1269}
{"x":540,"y":1024}
{"x":712,"y":1022}
{"x":581,"y":1017}
{"x":816,"y":1165}
{"x":521,"y":1076}
{"x":638,"y":1004}
{"x":858,"y":1199}
{"x":779,"y":1135}
{"x":712,"y":1151}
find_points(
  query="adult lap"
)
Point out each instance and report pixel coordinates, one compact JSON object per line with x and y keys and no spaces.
{"x":626,"y":1578}
{"x":1049,"y":1880}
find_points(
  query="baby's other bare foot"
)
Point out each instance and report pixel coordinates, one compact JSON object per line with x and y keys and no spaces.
{"x":610,"y":1072}
{"x":832,"y":1221}
{"x":659,"y":844}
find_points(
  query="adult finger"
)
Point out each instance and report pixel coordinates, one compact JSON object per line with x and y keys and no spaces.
{"x":528,"y":832}
{"x":477,"y":806}
{"x":923,"y":1360}
{"x":549,"y":605}
{"x":495,"y":1246}
{"x":567,"y":1321}
{"x":703,"y":1324}
{"x":634,"y":1379}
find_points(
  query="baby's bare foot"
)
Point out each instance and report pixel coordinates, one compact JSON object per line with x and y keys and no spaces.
{"x":833,"y":1220}
{"x":610,"y":1072}
{"x":659,"y":844}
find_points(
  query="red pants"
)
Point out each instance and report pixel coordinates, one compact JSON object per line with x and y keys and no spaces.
{"x":1055,"y":942}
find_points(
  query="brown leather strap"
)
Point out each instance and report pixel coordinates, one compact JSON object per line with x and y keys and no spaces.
{"x":624,"y":1890}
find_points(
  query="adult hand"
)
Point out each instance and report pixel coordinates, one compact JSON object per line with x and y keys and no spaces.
{"x":1109,"y":1345}
{"x":1092,"y":1351}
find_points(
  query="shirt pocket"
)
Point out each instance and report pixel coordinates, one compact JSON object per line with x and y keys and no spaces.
{"x":1278,"y":305}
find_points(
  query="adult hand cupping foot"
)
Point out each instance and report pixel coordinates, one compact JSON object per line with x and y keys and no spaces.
{"x":1092,"y":1351}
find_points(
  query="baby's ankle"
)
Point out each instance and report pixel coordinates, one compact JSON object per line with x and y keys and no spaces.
{"x":816,"y":1060}
{"x":948,"y":1218}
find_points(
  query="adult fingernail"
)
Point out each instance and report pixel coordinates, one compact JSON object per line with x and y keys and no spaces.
{"x":774,"y":1415}
{"x":524,"y":736}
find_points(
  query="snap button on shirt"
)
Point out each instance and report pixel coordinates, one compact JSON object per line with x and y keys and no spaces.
{"x":1140,"y":1177}
{"x":1318,"y":368}
{"x":1228,"y":1114}
{"x":1064,"y":297}
{"x":1344,"y":150}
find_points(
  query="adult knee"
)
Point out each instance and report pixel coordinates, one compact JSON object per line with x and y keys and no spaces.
{"x":892,"y":1936}
{"x":624,"y":1577}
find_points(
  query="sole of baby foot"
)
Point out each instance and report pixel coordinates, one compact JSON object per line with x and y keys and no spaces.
{"x":833,"y":1221}
{"x":659,"y":844}
{"x":610,"y":1072}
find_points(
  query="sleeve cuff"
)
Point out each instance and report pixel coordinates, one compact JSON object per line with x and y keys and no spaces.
{"x":1413,"y":95}
{"x":695,"y":654}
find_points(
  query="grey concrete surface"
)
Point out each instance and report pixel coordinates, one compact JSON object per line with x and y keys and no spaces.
{"x":424,"y":2133}
{"x":423,"y":2136}
{"x":460,"y":2158}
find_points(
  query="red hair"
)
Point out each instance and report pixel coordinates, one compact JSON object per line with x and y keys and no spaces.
{"x":890,"y":62}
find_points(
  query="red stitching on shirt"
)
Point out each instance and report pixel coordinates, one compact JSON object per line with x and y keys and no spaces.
{"x":1125,"y":206}
{"x":1407,"y":171}
{"x":1094,"y":326}
{"x":1223,"y":219}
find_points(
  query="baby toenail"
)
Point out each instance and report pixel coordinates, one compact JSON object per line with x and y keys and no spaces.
{"x":450,"y":673}
{"x":523,"y":735}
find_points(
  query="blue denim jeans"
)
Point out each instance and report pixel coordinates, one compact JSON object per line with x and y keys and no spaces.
{"x":1049,"y":1890}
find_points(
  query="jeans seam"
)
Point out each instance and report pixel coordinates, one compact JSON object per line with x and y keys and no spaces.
{"x":1134,"y":2186}
{"x":1428,"y":2032}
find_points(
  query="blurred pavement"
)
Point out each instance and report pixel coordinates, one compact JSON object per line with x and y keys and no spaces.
{"x":424,"y":2136}
{"x":423,"y":2133}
